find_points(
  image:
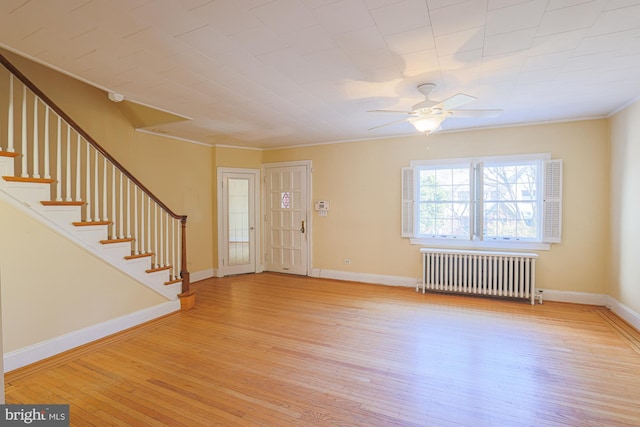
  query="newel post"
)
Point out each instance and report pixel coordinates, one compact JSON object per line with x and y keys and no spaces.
{"x":187,"y":297}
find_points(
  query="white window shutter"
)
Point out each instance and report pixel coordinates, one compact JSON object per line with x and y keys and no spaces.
{"x":407,"y":202}
{"x":552,"y":204}
{"x":476,"y":200}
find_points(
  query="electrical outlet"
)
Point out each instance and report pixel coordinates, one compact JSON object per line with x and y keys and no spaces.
{"x":347,"y":261}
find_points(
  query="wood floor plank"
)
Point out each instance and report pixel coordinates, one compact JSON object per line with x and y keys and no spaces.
{"x":271,"y":349}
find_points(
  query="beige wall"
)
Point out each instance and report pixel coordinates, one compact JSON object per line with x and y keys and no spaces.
{"x":51,"y":286}
{"x":227,"y":157}
{"x":624,"y":274}
{"x":362,"y":182}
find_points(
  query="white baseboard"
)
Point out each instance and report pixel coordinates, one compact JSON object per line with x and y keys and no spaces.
{"x":587,"y":298}
{"x":220,"y":273}
{"x":36,"y":352}
{"x":574,"y":297}
{"x":619,"y":309}
{"x":42,"y":350}
{"x":201,"y":275}
{"x":548,"y":294}
{"x":377,"y":279}
{"x":624,"y":312}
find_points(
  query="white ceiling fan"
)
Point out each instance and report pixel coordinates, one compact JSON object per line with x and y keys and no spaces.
{"x":426,"y":116}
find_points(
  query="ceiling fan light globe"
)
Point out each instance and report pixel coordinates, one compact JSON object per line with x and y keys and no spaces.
{"x":426,"y":124}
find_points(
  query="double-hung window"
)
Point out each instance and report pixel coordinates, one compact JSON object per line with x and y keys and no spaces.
{"x":497,"y":202}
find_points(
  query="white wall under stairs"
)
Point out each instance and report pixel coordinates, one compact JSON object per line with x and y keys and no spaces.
{"x":57,"y":296}
{"x":29,"y":197}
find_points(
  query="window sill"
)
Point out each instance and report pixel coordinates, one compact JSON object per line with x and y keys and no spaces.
{"x":473,"y":244}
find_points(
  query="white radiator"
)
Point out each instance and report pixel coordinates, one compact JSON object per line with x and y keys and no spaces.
{"x":503,"y":274}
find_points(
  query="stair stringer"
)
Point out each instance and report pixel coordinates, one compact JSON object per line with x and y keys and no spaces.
{"x":27,"y":197}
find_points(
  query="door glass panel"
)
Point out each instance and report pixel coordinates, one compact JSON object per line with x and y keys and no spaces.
{"x":238,"y":231}
{"x":285,"y":200}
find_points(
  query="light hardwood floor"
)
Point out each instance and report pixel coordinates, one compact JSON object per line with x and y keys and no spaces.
{"x":276,"y":350}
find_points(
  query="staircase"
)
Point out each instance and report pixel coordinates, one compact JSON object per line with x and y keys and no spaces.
{"x":53,"y":170}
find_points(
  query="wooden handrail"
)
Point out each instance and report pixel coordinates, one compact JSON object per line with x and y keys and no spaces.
{"x":183,"y":218}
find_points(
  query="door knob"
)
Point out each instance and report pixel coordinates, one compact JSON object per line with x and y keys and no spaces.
{"x":302,"y":227}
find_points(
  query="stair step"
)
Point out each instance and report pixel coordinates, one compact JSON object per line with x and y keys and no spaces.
{"x":89,"y":223}
{"x":28,"y":190}
{"x":171,"y":282}
{"x":109,"y":241}
{"x":153,"y":270}
{"x":29,"y":179}
{"x":60,"y":203}
{"x":7,"y":154}
{"x":139,"y":256}
{"x":63,"y":213}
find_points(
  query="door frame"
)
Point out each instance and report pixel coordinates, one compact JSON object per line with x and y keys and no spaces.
{"x":259,"y":265}
{"x":309,"y":173}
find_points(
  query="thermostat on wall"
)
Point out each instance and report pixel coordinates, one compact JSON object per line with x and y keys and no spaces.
{"x":322,"y":206}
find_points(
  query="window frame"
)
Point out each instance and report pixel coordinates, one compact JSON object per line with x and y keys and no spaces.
{"x":436,"y":167}
{"x":548,"y":186}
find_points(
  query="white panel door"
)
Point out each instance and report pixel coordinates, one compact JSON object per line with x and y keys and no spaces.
{"x":287,"y":227}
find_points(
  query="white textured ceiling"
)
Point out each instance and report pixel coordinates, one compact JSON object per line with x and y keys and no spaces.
{"x":275,"y":73}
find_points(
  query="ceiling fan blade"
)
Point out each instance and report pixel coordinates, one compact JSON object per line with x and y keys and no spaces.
{"x":476,"y":113}
{"x":390,"y":111}
{"x":388,"y":124}
{"x":455,"y":101}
